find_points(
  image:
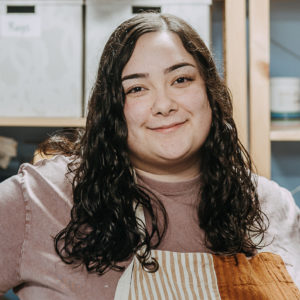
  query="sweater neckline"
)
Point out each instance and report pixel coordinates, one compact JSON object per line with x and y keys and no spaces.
{"x":170,"y":188}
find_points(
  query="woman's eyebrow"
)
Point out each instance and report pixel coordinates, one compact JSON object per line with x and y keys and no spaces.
{"x":167,"y":70}
{"x":135,"y":75}
{"x":177,"y":66}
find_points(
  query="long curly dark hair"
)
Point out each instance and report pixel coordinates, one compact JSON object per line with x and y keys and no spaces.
{"x":103,"y":231}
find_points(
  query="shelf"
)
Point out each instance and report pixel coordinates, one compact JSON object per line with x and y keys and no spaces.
{"x":41,"y":122}
{"x":285,"y":132}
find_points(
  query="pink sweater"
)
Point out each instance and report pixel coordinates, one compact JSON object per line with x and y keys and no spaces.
{"x":35,"y":205}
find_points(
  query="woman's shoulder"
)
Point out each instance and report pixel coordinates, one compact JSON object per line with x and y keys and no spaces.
{"x":44,"y":189}
{"x":54,"y":168}
{"x":271,"y":194}
{"x":48,"y":196}
{"x":47,"y":176}
{"x":277,"y":202}
{"x":283,"y":234}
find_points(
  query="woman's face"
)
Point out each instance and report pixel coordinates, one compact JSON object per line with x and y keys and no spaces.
{"x":166,"y":107}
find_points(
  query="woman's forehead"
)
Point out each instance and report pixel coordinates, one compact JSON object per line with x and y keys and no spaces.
{"x":157,"y":50}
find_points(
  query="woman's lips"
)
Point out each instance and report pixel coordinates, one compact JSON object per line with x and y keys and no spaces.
{"x":168,"y":128}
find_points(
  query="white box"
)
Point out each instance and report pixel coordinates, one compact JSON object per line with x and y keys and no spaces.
{"x":102,"y":17}
{"x":41,"y":59}
{"x":285,"y":98}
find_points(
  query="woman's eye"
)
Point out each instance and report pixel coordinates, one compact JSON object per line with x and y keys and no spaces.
{"x":182,"y":80}
{"x":135,"y":90}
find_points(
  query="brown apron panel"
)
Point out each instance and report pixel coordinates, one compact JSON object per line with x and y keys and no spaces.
{"x":264,"y":277}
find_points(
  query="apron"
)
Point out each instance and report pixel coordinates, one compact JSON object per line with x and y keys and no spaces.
{"x":186,"y":276}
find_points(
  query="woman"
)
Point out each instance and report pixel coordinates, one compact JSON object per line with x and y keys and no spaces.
{"x":163,"y":202}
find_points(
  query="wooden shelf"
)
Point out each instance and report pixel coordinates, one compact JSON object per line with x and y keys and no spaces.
{"x":41,"y":122}
{"x":285,"y":132}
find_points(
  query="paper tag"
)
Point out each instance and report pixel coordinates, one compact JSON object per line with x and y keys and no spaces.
{"x":20,"y":25}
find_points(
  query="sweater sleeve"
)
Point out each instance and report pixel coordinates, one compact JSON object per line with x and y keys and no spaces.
{"x":12,"y":228}
{"x":283,"y":234}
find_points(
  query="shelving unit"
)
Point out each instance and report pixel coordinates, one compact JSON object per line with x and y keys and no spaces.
{"x":285,"y":133}
{"x":256,"y":130}
{"x":262,"y":130}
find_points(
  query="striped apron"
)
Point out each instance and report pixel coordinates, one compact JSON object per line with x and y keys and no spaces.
{"x":186,"y":276}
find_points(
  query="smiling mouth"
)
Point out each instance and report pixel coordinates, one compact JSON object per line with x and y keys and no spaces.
{"x":168,"y":128}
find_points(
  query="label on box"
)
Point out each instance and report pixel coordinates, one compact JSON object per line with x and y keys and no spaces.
{"x":20,"y":25}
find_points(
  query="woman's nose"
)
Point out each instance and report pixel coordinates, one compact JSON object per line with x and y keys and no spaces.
{"x":163,"y":104}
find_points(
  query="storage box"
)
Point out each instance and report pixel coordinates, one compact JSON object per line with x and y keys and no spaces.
{"x":102,"y":17}
{"x":41,"y":58}
{"x":285,"y":98}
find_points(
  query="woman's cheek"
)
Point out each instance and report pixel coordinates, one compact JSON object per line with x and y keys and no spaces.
{"x":136,"y":112}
